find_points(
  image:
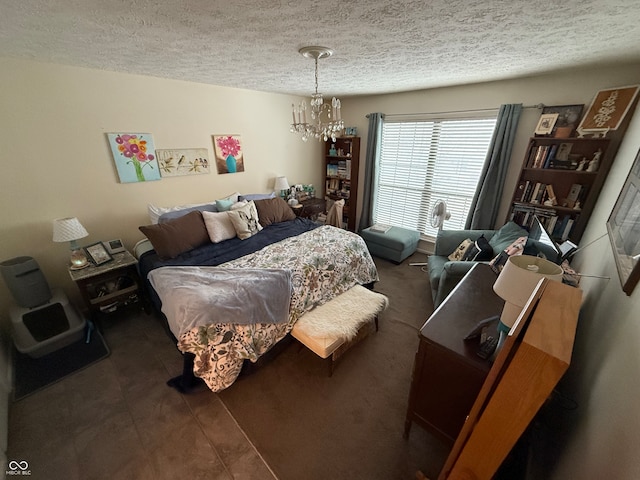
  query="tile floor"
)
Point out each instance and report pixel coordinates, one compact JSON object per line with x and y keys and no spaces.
{"x":118,"y":419}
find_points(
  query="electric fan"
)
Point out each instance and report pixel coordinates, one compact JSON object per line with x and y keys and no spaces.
{"x":439,"y":214}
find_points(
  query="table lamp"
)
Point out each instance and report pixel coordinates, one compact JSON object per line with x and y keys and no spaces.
{"x":515,"y":284}
{"x":69,"y":230}
{"x":281,"y":186}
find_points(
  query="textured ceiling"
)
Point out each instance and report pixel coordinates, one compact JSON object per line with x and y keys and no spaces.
{"x":380,"y":46}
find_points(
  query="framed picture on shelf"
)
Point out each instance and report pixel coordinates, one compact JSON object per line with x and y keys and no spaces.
{"x":545,"y":124}
{"x":97,"y":253}
{"x":567,"y":121}
{"x":623,"y":228}
{"x":608,"y":109}
{"x":114,"y":246}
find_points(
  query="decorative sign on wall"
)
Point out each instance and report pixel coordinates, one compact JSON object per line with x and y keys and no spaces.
{"x":608,"y":109}
{"x":229,"y":153}
{"x":185,"y":161}
{"x":134,"y":155}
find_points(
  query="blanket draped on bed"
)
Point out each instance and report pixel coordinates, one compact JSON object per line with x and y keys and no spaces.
{"x":323,"y":263}
{"x":196,"y":296}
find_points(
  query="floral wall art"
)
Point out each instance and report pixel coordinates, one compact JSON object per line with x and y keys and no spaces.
{"x":229,"y":154}
{"x":186,"y":161}
{"x":134,"y":155}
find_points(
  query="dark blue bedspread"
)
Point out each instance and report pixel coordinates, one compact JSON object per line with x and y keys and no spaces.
{"x":213,"y":254}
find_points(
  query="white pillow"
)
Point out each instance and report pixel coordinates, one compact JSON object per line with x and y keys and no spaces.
{"x":245,"y":220}
{"x":155,"y":212}
{"x":219,"y":226}
{"x":238,"y":205}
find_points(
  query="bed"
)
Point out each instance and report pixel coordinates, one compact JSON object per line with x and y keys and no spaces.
{"x":319,"y":262}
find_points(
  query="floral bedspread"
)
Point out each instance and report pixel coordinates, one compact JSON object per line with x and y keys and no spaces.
{"x":324,"y":262}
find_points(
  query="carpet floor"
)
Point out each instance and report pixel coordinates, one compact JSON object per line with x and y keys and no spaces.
{"x":310,"y":426}
{"x":33,"y":374}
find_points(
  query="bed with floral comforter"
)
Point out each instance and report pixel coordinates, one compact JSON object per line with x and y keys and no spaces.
{"x":323,"y":262}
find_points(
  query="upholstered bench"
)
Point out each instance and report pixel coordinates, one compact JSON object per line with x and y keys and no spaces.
{"x":330,"y":329}
{"x":395,"y":244}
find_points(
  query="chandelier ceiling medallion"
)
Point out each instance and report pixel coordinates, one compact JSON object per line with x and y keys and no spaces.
{"x":323,"y":121}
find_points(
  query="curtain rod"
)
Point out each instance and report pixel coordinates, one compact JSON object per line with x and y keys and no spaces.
{"x":539,"y":106}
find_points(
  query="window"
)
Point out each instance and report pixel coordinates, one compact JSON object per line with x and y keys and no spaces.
{"x":428,"y":160}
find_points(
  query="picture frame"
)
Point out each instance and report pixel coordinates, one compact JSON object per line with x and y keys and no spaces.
{"x":623,"y":228}
{"x":546,"y":123}
{"x":97,"y":253}
{"x":183,"y":161}
{"x":608,"y":109}
{"x":567,"y":121}
{"x":114,"y":246}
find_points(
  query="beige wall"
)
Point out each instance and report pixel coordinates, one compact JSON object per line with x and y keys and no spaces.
{"x":56,"y":161}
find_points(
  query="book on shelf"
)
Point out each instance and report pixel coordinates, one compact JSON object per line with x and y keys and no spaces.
{"x":574,"y":194}
{"x":550,"y":155}
{"x":380,"y":228}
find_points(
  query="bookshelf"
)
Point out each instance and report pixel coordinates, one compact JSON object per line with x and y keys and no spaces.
{"x":341,"y":164}
{"x":559,"y":182}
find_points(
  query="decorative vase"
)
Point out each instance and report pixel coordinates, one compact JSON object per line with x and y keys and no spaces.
{"x":231,"y":164}
{"x":138,"y":166}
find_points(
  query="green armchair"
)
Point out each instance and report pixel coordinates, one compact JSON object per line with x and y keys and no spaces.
{"x":445,"y":274}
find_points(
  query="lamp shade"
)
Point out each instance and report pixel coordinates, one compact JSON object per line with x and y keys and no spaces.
{"x":281,"y":184}
{"x":517,"y":281}
{"x":68,"y":229}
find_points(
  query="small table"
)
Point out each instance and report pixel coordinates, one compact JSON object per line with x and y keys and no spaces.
{"x":111,"y":285}
{"x":448,"y":373}
{"x":311,"y":208}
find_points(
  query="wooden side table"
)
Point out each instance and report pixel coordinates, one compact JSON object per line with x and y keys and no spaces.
{"x":312,"y":207}
{"x":112,"y":285}
{"x":447,"y":372}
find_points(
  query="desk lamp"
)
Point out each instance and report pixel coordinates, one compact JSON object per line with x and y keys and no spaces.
{"x":515,"y":284}
{"x":69,"y":230}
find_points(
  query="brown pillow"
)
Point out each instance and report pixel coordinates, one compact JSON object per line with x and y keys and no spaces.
{"x":177,"y":236}
{"x":273,"y":210}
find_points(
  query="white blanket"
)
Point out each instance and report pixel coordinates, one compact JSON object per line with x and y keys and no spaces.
{"x":196,"y":296}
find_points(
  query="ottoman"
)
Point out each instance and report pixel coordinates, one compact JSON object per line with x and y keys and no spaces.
{"x":395,"y":244}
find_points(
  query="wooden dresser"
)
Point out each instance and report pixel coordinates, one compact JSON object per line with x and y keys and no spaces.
{"x":447,"y":372}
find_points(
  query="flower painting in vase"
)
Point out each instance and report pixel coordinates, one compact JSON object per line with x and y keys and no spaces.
{"x":229,"y":153}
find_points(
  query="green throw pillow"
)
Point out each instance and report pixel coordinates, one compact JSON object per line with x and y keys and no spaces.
{"x":504,"y":237}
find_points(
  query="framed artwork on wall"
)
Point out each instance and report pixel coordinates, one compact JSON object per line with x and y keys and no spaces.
{"x":184,"y":161}
{"x":229,"y":153}
{"x":135,"y":157}
{"x":623,"y":228}
{"x":608,"y":109}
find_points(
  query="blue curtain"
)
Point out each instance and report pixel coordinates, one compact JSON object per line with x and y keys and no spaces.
{"x":486,"y":201}
{"x":374,"y":137}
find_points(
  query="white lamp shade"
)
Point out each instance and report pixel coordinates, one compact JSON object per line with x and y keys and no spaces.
{"x":68,"y":229}
{"x":281,"y":184}
{"x":517,"y":281}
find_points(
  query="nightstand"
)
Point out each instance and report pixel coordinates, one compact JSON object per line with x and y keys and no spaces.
{"x":112,"y":285}
{"x":312,"y":207}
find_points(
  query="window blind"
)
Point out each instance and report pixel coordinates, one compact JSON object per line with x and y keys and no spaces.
{"x":424,"y":161}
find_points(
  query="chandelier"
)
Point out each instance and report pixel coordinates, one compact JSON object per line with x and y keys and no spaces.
{"x":325,"y":119}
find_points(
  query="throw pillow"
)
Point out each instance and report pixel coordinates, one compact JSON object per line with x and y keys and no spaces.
{"x":245,"y":220}
{"x":177,"y":236}
{"x":224,"y":205}
{"x":516,"y":248}
{"x":219,"y":226}
{"x":459,"y":253}
{"x":273,"y":210}
{"x":479,"y":251}
{"x":504,"y":237}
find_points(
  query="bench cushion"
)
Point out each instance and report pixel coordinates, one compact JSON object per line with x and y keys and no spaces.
{"x":327,"y":327}
{"x":396,"y":244}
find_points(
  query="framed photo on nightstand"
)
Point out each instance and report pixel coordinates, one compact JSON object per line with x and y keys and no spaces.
{"x":114,"y":246}
{"x":97,"y":253}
